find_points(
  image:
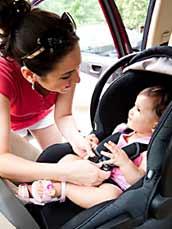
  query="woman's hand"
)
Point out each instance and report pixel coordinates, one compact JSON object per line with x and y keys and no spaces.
{"x":92,"y":140}
{"x":117,"y":156}
{"x":84,"y":172}
{"x":82,"y":147}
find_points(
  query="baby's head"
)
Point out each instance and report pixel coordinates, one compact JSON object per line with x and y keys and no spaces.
{"x":149,"y":106}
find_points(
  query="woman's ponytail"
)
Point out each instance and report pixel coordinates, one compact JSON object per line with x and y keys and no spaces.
{"x":11,"y":14}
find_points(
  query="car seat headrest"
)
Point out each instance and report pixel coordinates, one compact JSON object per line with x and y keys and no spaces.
{"x":120,"y":97}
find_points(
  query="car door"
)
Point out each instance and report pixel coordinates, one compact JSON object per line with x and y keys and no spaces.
{"x":158,"y":25}
{"x":155,"y":29}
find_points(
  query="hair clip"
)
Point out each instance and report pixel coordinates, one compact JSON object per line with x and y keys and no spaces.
{"x":15,"y":3}
{"x":68,"y":19}
{"x":21,"y":7}
{"x":52,"y":43}
{"x":34,"y":54}
{"x":2,"y":33}
{"x":52,"y":40}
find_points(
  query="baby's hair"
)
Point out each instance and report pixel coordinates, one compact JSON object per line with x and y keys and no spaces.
{"x":161,"y":96}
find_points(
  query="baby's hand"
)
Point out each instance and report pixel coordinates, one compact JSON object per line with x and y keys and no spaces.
{"x":92,"y":140}
{"x":117,"y":156}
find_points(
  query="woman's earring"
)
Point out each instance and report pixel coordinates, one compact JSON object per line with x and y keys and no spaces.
{"x":33,"y":85}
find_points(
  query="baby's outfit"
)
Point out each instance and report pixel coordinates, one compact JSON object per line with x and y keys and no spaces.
{"x":116,"y":174}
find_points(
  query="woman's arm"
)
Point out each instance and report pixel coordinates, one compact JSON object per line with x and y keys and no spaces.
{"x":5,"y":124}
{"x":77,"y":172}
{"x":11,"y":166}
{"x":18,"y":169}
{"x":63,"y":114}
{"x":67,"y":125}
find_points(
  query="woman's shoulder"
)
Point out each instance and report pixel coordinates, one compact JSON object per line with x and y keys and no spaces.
{"x":9,"y":72}
{"x":8,"y":65}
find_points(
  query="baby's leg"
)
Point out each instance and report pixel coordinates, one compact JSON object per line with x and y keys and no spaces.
{"x":87,"y":197}
{"x":69,"y":158}
{"x":83,"y":196}
{"x":44,"y":191}
{"x":41,"y":191}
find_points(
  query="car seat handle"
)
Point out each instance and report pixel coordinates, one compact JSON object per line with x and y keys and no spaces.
{"x":100,"y":85}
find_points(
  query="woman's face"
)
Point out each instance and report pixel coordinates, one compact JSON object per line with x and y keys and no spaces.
{"x":64,"y":75}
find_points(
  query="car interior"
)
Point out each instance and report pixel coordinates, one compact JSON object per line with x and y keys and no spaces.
{"x":159,"y":30}
{"x":148,"y":203}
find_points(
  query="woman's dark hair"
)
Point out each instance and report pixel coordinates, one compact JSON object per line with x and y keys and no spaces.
{"x":33,"y":37}
{"x":161,"y":98}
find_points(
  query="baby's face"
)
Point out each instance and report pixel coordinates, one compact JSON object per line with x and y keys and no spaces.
{"x":142,"y":116}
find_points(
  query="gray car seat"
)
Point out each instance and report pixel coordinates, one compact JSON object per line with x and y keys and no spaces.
{"x":148,"y":203}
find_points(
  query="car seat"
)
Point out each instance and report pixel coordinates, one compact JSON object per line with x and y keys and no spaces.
{"x":148,"y":203}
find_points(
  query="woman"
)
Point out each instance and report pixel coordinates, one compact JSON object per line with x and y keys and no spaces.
{"x":38,"y":74}
{"x":48,"y":55}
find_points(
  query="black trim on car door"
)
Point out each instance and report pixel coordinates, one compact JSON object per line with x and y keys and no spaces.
{"x":36,"y":2}
{"x":116,"y":27}
{"x":147,"y":23}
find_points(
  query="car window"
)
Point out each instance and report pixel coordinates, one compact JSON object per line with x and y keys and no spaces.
{"x":95,"y":38}
{"x":133,"y":15}
{"x":97,"y":46}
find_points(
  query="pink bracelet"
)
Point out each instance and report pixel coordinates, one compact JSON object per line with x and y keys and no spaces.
{"x":63,"y":192}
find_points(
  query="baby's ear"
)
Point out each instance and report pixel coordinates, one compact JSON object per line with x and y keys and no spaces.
{"x":154,"y":126}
